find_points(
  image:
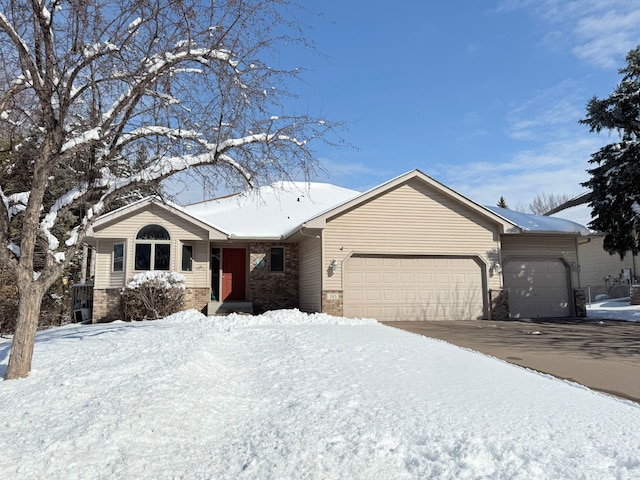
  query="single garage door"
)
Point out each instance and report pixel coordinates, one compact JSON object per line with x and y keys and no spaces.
{"x":392,"y":288}
{"x":537,"y":288}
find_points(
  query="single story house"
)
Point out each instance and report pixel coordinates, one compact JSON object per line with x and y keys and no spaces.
{"x":600,"y":272}
{"x":408,"y":249}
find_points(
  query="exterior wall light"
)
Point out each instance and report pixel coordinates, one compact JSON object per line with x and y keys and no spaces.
{"x":333,"y":263}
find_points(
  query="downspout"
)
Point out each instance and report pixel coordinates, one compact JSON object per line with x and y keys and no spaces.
{"x":578,"y":243}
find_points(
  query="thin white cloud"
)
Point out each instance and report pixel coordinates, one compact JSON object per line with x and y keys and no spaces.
{"x":472,"y":48}
{"x":551,"y":114}
{"x":598,"y":32}
{"x":558,"y":168}
{"x":359,"y":176}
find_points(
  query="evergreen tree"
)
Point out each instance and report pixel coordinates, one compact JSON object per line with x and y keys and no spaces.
{"x":502,"y":203}
{"x":615,"y":181}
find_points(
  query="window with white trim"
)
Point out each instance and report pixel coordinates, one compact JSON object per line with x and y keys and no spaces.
{"x":153,"y":248}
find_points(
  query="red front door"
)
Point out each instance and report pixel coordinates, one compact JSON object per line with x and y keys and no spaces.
{"x":234,"y":274}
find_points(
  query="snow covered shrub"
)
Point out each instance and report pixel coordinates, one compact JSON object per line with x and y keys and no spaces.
{"x":153,"y":295}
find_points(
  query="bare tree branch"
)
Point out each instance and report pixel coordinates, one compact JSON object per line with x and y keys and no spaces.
{"x":87,"y":86}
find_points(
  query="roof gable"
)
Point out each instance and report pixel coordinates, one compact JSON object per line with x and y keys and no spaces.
{"x":319,"y":221}
{"x":280,"y":210}
{"x":134,"y":208}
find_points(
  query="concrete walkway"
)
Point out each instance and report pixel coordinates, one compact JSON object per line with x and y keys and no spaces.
{"x":602,"y":355}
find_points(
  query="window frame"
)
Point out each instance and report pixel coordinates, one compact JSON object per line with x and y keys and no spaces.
{"x":282,"y":259}
{"x":113,"y":257}
{"x":182,"y":258}
{"x":154,"y":245}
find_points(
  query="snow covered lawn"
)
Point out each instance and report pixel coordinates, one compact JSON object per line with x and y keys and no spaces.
{"x":615,"y":309}
{"x":290,"y":395}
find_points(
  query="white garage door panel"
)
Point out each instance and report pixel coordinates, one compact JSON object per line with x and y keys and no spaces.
{"x":537,"y":288}
{"x":413,"y":288}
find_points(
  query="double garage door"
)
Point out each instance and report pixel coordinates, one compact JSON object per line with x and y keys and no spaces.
{"x":391,"y":288}
{"x":537,"y":288}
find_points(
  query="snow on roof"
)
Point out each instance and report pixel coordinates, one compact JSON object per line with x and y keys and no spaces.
{"x":272,"y":211}
{"x":540,"y":223}
{"x":580,"y":214}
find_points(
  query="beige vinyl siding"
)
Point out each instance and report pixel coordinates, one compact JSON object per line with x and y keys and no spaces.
{"x":178,"y":227}
{"x":200,"y":275}
{"x":412,"y":219}
{"x":596,"y":263}
{"x":557,"y":245}
{"x":180,"y":230}
{"x":310,"y":274}
{"x":105,"y":276}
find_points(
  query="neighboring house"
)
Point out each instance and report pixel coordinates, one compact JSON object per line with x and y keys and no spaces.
{"x":409,"y":249}
{"x":600,"y":272}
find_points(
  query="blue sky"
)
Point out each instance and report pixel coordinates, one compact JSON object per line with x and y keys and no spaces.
{"x":483,"y":96}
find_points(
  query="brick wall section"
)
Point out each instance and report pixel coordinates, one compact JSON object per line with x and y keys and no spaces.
{"x":332,"y":302}
{"x":499,"y":304}
{"x":197,"y":298}
{"x":272,"y":290}
{"x":106,"y":305}
{"x":635,"y":294}
{"x":580,"y":299}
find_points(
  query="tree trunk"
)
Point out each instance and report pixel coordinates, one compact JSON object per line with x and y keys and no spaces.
{"x":24,"y":337}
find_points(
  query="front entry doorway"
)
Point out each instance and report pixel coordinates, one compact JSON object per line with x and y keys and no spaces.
{"x":234,"y":274}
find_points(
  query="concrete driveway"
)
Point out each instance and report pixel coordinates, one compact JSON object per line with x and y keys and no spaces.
{"x":601,"y":354}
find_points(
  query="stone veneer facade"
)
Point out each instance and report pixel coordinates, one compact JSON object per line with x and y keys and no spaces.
{"x":580,"y":299}
{"x":269,"y":290}
{"x":634,"y":294}
{"x":332,"y":302}
{"x":106,"y":303}
{"x":499,"y":304}
{"x":197,"y":298}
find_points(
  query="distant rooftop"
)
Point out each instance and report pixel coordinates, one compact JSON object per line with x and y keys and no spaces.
{"x":540,"y":223}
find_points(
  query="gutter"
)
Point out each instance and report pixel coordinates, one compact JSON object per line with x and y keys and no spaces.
{"x":552,"y":232}
{"x":301,"y":232}
{"x":243,"y":238}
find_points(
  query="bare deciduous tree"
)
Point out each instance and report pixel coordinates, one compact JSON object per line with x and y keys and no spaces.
{"x":87,"y":85}
{"x":543,"y":202}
